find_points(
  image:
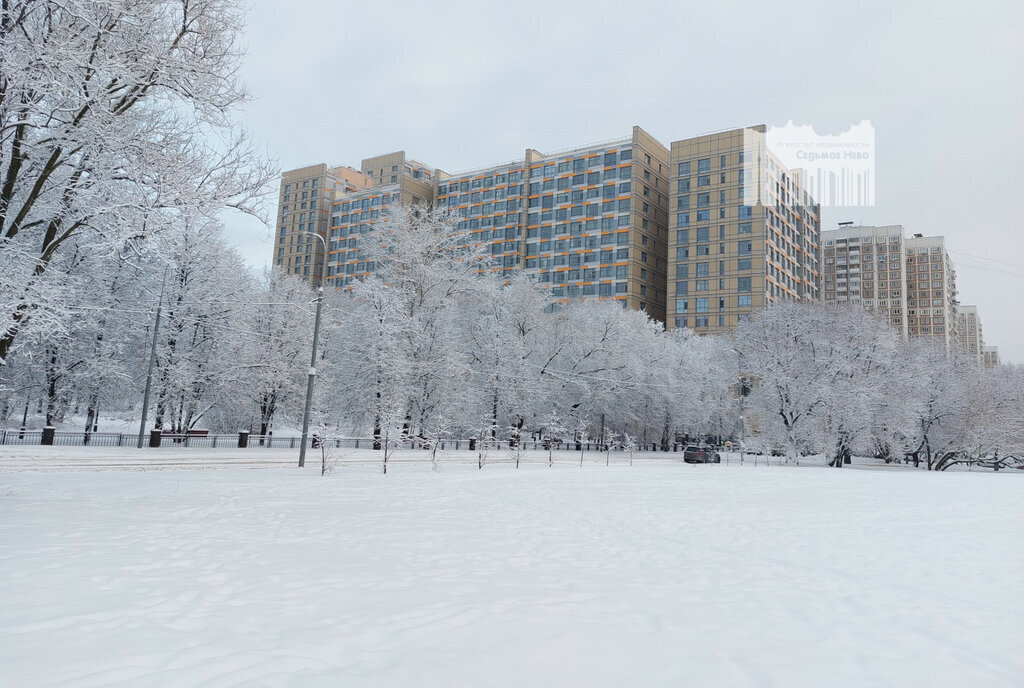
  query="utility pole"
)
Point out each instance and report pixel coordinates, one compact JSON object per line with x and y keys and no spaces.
{"x":152,"y":362}
{"x":312,"y":358}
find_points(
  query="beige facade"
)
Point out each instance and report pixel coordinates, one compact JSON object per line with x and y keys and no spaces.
{"x":969,"y":333}
{"x":867,"y":265}
{"x":931,"y":291}
{"x":304,"y":205}
{"x":589,"y":222}
{"x":697,"y":236}
{"x":990,"y":356}
{"x":908,"y":281}
{"x":743,"y":232}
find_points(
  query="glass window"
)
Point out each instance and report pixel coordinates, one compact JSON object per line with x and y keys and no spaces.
{"x":704,"y":165}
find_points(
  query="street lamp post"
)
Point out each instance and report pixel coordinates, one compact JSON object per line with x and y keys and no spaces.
{"x":312,"y":358}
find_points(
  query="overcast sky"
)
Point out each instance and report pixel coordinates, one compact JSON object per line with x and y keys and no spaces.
{"x":460,"y":85}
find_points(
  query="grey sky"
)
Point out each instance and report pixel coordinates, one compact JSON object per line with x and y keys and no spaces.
{"x":463,"y":84}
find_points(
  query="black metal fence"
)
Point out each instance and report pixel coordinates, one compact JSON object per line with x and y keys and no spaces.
{"x":244,"y":440}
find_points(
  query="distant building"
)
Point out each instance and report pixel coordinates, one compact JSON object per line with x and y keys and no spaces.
{"x":931,"y":291}
{"x":866,"y":265}
{"x":990,"y":356}
{"x":304,"y":205}
{"x":908,"y":281}
{"x":589,"y":222}
{"x":743,"y":231}
{"x":969,"y":332}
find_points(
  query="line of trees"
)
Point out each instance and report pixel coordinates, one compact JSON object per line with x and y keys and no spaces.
{"x":435,"y":345}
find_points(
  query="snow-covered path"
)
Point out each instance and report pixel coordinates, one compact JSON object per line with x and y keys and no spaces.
{"x":652,"y":575}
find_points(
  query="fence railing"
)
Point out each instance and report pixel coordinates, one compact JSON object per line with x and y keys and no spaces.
{"x":244,"y":440}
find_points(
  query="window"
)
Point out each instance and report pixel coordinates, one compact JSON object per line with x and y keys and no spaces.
{"x":744,"y":248}
{"x":743,"y":300}
{"x":684,"y":170}
{"x":702,"y":305}
{"x":703,"y":200}
{"x":704,"y":165}
{"x":682,"y":305}
{"x":743,"y":284}
{"x":683,"y":220}
{"x":682,"y":236}
{"x":704,"y":180}
{"x":702,"y":269}
{"x":744,"y":228}
{"x":701,"y":285}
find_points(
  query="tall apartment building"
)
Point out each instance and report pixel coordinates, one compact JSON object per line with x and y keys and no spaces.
{"x":588,"y":222}
{"x":931,"y":291}
{"x":304,"y":205}
{"x":969,"y":332}
{"x":908,"y":281}
{"x":866,"y":265}
{"x":990,"y":356}
{"x":395,"y":180}
{"x":744,"y":232}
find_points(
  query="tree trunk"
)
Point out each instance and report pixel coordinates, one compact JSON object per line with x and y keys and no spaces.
{"x":665,"y":432}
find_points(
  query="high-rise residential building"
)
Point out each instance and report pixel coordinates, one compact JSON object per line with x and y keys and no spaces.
{"x":866,"y":265}
{"x":931,"y":291}
{"x":743,"y":232}
{"x":593,"y":222}
{"x":990,"y":356}
{"x":587,"y":222}
{"x":908,"y":281}
{"x":304,"y":205}
{"x":969,"y":332}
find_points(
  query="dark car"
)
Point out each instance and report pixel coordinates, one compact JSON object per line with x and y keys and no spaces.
{"x":695,"y":454}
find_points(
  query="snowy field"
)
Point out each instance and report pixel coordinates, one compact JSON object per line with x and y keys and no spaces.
{"x":659,"y":574}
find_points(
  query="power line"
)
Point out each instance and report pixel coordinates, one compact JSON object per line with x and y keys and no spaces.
{"x":994,"y":260}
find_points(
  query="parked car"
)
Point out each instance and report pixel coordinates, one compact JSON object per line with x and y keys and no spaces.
{"x":696,"y":454}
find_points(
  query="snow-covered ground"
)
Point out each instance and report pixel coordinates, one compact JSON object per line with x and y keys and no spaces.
{"x":659,"y":574}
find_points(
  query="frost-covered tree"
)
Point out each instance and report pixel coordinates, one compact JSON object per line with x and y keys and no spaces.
{"x":423,"y":270}
{"x":820,"y":375}
{"x":115,"y":122}
{"x":276,"y":356}
{"x":200,"y":364}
